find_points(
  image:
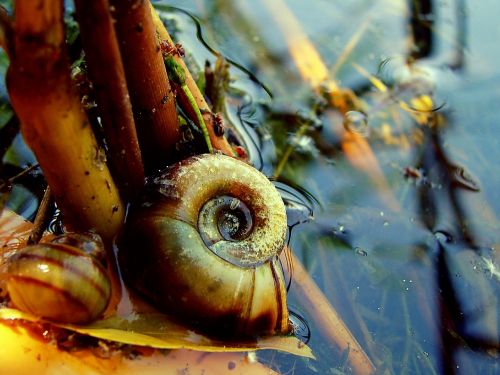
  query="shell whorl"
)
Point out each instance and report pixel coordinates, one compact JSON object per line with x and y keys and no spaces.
{"x":63,"y":280}
{"x":198,"y":184}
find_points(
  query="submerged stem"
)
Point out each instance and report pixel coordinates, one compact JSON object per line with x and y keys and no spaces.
{"x":333,"y":327}
{"x":288,"y":151}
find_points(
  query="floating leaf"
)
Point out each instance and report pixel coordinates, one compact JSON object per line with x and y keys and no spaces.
{"x":158,"y":331}
{"x":140,"y":328}
{"x":21,"y":353}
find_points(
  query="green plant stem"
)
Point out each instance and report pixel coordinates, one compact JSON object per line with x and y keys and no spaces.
{"x":288,"y":151}
{"x":197,"y":111}
{"x":177,"y":75}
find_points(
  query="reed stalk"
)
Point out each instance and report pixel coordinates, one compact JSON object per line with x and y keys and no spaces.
{"x":325,"y":316}
{"x":107,"y":74}
{"x":218,"y":142}
{"x":6,"y":31}
{"x":54,"y":123}
{"x":153,"y":101}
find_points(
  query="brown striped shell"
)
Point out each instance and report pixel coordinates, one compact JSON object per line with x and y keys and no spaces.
{"x":63,"y":280}
{"x":203,"y":245}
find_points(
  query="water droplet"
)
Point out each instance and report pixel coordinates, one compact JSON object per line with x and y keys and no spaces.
{"x":339,"y":230}
{"x":356,"y":122}
{"x":300,"y":326}
{"x":303,"y":144}
{"x":443,"y":237}
{"x":99,"y":158}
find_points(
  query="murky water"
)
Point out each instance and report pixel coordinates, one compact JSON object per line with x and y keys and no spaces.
{"x":403,"y":237}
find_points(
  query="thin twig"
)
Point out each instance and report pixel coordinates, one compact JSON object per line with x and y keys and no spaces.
{"x":41,"y":219}
{"x":12,"y":179}
{"x":288,"y":151}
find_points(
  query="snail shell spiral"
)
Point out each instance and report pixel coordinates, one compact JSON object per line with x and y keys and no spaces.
{"x":63,"y":280}
{"x":203,"y":245}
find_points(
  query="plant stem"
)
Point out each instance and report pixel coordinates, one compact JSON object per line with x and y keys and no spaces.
{"x":54,"y":123}
{"x":199,"y":117}
{"x":218,"y":142}
{"x":178,"y":77}
{"x":333,"y":327}
{"x":41,"y":219}
{"x":6,"y":32}
{"x":288,"y":151}
{"x":108,"y":79}
{"x":153,"y":101}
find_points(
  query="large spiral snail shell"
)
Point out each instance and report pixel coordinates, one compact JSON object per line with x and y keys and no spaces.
{"x":203,"y":245}
{"x":63,"y":280}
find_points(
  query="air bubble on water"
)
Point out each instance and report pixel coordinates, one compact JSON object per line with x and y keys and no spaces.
{"x":339,"y":230}
{"x":443,"y":237}
{"x":360,"y":251}
{"x":300,"y":326}
{"x":356,"y":122}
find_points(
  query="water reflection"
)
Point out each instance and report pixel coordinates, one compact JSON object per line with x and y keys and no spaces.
{"x":391,"y":271}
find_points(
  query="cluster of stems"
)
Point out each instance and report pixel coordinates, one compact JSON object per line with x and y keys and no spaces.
{"x":135,"y":88}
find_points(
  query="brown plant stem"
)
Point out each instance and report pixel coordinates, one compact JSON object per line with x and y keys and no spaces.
{"x":41,"y":219}
{"x":108,"y":78}
{"x":219,"y":142}
{"x":153,"y":100}
{"x":6,"y":33}
{"x":54,"y":124}
{"x":323,"y":313}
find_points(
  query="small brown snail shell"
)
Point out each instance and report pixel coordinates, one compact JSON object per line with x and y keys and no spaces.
{"x":203,"y":245}
{"x":63,"y":280}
